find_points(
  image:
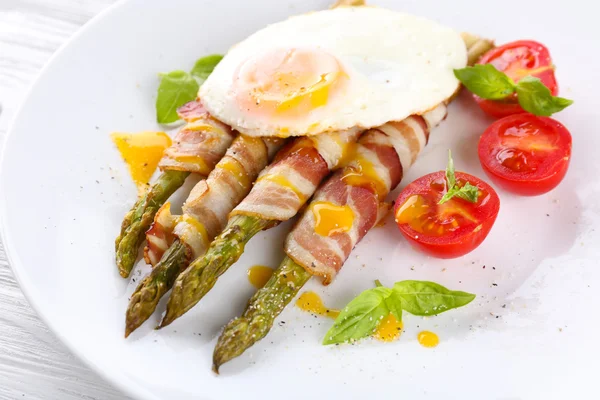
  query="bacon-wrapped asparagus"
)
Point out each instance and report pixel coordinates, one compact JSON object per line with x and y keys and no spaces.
{"x":197,"y":147}
{"x":355,"y":196}
{"x":278,"y":194}
{"x":175,"y":240}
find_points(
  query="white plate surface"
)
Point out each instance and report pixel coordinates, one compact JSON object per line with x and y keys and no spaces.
{"x":530,"y":334}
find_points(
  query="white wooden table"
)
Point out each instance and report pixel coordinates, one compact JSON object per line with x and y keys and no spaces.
{"x":33,"y":363}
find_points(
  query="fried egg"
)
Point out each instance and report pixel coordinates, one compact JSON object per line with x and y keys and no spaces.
{"x":333,"y":70}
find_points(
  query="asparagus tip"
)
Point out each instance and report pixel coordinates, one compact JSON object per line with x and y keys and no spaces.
{"x":215,"y":367}
{"x":165,"y":322}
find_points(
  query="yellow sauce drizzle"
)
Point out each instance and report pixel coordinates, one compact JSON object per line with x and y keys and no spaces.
{"x":196,"y":225}
{"x":142,"y":153}
{"x":331,"y":218}
{"x":282,"y":181}
{"x":233,"y":166}
{"x":203,"y":126}
{"x":432,"y":219}
{"x":193,"y":159}
{"x":259,"y":275}
{"x":428,"y":339}
{"x":362,"y":173}
{"x":311,"y":302}
{"x":389,"y":329}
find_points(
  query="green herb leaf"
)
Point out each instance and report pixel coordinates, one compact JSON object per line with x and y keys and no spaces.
{"x":429,"y":298}
{"x":450,"y":178}
{"x":361,"y":316}
{"x":394,"y":305}
{"x":486,"y":81}
{"x":204,"y":66}
{"x":176,"y":88}
{"x":467,"y":192}
{"x":537,"y":99}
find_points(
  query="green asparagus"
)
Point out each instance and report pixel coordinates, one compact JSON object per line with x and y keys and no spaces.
{"x":148,"y":293}
{"x":192,"y":284}
{"x":140,"y":217}
{"x":256,"y":321}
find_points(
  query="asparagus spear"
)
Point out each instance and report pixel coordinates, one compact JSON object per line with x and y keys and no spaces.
{"x":148,"y":293}
{"x":140,"y":217}
{"x":193,"y":283}
{"x":256,"y":321}
{"x":268,"y":302}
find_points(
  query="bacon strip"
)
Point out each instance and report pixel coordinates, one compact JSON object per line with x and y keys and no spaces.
{"x":200,"y":144}
{"x":211,"y":200}
{"x":286,"y":184}
{"x":381,"y":156}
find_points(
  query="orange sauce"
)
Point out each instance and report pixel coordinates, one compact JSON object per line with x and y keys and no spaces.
{"x":428,"y":339}
{"x":331,"y":218}
{"x":259,"y":275}
{"x":426,"y":216}
{"x":193,"y":159}
{"x":282,"y":181}
{"x":142,"y":153}
{"x":312,"y":303}
{"x":389,"y":329}
{"x":233,"y":166}
{"x":362,"y":173}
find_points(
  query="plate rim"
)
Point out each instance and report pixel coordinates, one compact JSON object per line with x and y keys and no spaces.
{"x":126,"y":385}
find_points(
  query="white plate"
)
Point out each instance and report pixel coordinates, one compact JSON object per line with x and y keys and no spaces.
{"x":530,"y":334}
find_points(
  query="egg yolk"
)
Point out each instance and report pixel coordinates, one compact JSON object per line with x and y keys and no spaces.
{"x":331,"y":218}
{"x":312,"y":303}
{"x":259,"y":275}
{"x":287,"y":82}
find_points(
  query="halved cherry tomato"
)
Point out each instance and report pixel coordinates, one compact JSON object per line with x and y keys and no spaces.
{"x":526,"y":154}
{"x":447,"y":230}
{"x":518,"y":60}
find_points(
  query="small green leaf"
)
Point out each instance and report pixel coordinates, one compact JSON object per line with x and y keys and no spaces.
{"x":486,"y":81}
{"x":450,"y":178}
{"x":361,"y":316}
{"x":176,"y":88}
{"x":204,"y":66}
{"x":468,"y":192}
{"x":537,"y":99}
{"x":394,"y":305}
{"x":429,"y":298}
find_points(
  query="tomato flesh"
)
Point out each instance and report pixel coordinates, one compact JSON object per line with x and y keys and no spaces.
{"x":525,"y":154}
{"x":446,"y":230}
{"x":518,"y":60}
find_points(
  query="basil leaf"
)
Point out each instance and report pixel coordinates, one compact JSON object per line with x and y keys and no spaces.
{"x":486,"y":81}
{"x":394,"y":304}
{"x":537,"y":99}
{"x":450,"y":178}
{"x":429,"y":298}
{"x":449,"y":194}
{"x":176,"y":88}
{"x":204,"y":66}
{"x":361,"y":316}
{"x":468,"y":192}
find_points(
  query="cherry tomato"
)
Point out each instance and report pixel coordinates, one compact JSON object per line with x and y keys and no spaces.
{"x":518,"y":60}
{"x":526,"y":154}
{"x":447,"y":230}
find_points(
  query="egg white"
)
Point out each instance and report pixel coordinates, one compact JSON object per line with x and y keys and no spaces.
{"x":398,"y":65}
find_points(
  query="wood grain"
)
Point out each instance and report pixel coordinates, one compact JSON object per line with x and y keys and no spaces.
{"x":33,"y":363}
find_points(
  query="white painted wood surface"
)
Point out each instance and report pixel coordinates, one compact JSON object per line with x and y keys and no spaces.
{"x":33,"y":363}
